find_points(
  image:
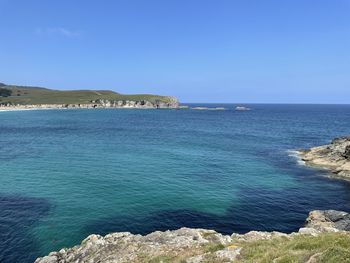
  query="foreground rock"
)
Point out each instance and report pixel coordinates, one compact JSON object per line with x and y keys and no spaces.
{"x":334,"y":157}
{"x":187,"y":245}
{"x":184,"y":243}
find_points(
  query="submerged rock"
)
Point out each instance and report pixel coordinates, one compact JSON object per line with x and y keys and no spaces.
{"x":334,"y":157}
{"x":186,"y":244}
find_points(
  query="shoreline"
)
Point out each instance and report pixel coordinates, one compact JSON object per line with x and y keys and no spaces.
{"x":29,"y":109}
{"x":38,"y":109}
{"x":91,"y":107}
{"x":76,"y":107}
{"x":333,"y":157}
{"x":296,"y":155}
{"x":171,"y":103}
{"x":194,"y":245}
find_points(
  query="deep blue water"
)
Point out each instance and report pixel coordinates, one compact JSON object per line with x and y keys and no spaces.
{"x":68,"y":173}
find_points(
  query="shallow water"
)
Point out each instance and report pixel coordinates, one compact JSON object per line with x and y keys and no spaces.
{"x":68,"y":173}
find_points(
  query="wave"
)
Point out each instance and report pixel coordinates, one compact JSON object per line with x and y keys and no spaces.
{"x":296,"y":155}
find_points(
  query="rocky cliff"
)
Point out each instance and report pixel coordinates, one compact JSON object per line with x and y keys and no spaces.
{"x":201,"y":245}
{"x":334,"y":157}
{"x":170,"y":102}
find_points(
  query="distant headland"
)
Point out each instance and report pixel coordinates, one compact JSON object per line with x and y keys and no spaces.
{"x":28,"y":97}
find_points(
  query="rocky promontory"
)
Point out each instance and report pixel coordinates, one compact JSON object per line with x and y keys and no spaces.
{"x":334,"y":157}
{"x":201,"y":245}
{"x":28,"y":97}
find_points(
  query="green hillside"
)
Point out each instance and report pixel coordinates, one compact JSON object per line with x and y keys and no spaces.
{"x":26,"y":95}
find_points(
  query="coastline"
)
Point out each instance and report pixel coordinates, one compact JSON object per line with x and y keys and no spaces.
{"x":108,"y":105}
{"x":333,"y":157}
{"x":202,"y":245}
{"x":26,"y":109}
{"x":77,"y":108}
{"x":296,"y":155}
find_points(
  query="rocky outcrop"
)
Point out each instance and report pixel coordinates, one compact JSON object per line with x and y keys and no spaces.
{"x":169,"y":103}
{"x":334,"y":157}
{"x":192,"y":245}
{"x":328,"y":221}
{"x":185,"y":244}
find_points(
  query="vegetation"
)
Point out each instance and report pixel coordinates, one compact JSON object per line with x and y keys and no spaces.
{"x":331,"y":247}
{"x":24,"y":95}
{"x":214,"y":248}
{"x":328,"y":247}
{"x":5,"y":92}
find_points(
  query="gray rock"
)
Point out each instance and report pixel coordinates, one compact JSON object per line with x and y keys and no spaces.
{"x":334,"y":215}
{"x":309,"y":231}
{"x":328,"y":220}
{"x":346,"y":153}
{"x":228,"y":253}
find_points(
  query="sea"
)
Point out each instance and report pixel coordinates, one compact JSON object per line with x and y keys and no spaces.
{"x":66,"y":174}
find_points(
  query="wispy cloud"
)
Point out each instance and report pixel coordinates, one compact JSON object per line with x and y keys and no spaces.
{"x":57,"y":31}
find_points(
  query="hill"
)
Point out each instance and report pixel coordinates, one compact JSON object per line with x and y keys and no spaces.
{"x":27,"y":95}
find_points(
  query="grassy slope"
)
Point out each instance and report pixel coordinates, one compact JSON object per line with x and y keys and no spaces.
{"x":328,"y":247}
{"x":331,"y":247}
{"x":36,"y":95}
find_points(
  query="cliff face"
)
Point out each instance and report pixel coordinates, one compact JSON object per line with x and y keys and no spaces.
{"x":199,"y":245}
{"x":171,"y":102}
{"x":335,"y":157}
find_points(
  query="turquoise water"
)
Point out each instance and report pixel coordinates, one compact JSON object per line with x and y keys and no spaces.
{"x":68,"y":173}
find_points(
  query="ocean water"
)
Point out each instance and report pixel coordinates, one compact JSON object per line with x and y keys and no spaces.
{"x":65,"y":174}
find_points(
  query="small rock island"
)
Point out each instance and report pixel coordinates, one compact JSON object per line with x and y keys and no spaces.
{"x":334,"y":157}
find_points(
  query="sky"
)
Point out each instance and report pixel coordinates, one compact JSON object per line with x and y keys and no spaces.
{"x":248,"y":51}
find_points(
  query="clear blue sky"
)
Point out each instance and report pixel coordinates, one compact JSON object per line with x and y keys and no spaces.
{"x":293,"y":51}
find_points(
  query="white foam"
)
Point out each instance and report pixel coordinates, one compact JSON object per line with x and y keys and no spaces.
{"x":296,"y":155}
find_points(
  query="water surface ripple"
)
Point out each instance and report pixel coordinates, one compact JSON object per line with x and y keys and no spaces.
{"x":68,"y":173}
